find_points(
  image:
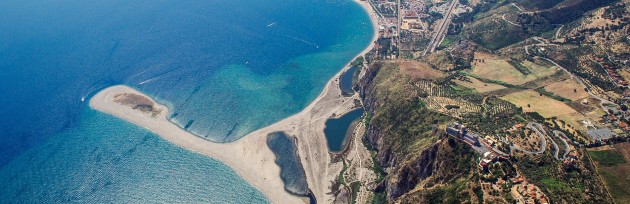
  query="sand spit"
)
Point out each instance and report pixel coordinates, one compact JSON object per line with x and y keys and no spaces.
{"x":250,"y":156}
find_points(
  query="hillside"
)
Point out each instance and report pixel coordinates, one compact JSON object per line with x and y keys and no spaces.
{"x":506,"y":104}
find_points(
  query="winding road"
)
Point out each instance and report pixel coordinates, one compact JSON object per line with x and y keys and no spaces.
{"x":564,"y":140}
{"x":540,"y":131}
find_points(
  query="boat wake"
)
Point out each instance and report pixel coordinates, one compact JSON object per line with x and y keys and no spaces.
{"x":304,"y":41}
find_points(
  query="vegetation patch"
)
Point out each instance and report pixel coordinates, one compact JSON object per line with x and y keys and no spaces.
{"x":607,"y":157}
{"x":544,"y":92}
{"x":477,"y":85}
{"x":517,"y":64}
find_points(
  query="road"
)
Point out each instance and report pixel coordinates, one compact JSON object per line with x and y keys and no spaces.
{"x":435,"y":41}
{"x":517,"y":7}
{"x":510,"y":22}
{"x":558,"y":31}
{"x":564,"y":140}
{"x":540,"y":131}
{"x":556,"y":150}
{"x":576,"y":78}
{"x":602,"y":100}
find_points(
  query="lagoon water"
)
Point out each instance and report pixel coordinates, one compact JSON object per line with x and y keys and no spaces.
{"x":291,"y":170}
{"x":225,"y":68}
{"x":338,"y":130}
{"x":345,"y":81}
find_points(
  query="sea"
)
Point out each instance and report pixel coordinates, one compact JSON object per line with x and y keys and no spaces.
{"x":224,"y":68}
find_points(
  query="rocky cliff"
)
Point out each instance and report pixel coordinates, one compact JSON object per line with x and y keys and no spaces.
{"x":413,"y":152}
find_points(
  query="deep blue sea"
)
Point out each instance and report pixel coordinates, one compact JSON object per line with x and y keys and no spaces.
{"x":225,"y":68}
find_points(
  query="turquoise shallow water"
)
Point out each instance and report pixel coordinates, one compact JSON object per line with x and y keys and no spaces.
{"x":106,"y":160}
{"x":225,"y":68}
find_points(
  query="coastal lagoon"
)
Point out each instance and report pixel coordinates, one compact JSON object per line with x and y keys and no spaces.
{"x":225,"y":68}
{"x":339,"y":130}
{"x":292,"y":172}
{"x":345,"y":81}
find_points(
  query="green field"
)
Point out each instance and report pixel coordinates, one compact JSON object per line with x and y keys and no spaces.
{"x":607,"y":157}
{"x":614,"y":170}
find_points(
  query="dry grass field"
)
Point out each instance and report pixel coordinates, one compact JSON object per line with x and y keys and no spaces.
{"x":546,"y":106}
{"x":479,"y":85}
{"x":624,"y":149}
{"x":531,"y":101}
{"x":575,"y":120}
{"x":540,"y":68}
{"x":568,"y":88}
{"x":419,"y":70}
{"x":625,"y":74}
{"x":491,"y":67}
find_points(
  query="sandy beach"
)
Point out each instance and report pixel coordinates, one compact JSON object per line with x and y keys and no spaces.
{"x":250,"y":156}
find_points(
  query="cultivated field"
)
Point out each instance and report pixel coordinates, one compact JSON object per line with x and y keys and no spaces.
{"x":568,"y":88}
{"x":491,"y":67}
{"x":613,"y":168}
{"x":624,"y":149}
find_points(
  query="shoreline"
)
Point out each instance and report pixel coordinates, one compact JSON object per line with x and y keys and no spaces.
{"x":242,"y":155}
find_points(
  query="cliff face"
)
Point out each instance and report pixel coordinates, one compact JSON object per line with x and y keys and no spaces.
{"x":403,"y":132}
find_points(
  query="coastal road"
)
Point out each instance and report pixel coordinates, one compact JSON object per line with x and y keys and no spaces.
{"x":435,"y":41}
